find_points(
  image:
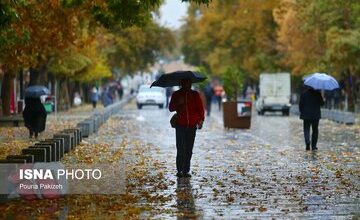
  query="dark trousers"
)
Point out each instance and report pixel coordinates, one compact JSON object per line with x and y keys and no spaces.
{"x":208,"y":105}
{"x":185,"y":138}
{"x":314,"y":123}
{"x":31,"y":133}
{"x":219,"y":100}
{"x":94,"y":104}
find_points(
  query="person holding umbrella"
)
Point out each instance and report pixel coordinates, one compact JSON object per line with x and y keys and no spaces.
{"x":189,"y":117}
{"x":310,"y":104}
{"x":34,"y":113}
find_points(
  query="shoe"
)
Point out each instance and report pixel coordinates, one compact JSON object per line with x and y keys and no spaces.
{"x":179,"y":175}
{"x":314,"y":148}
{"x":187,"y":175}
{"x":307,"y":147}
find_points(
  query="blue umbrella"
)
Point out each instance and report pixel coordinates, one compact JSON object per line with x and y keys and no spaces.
{"x":321,"y":81}
{"x":36,"y":91}
{"x":174,"y":78}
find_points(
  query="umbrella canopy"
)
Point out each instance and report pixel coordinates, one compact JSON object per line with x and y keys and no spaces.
{"x":321,"y":81}
{"x":36,"y":91}
{"x":174,"y":78}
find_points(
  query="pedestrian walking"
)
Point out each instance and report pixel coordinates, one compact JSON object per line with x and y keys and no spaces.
{"x":106,"y":97}
{"x":209,"y":93}
{"x":329,"y":99}
{"x":77,"y":99}
{"x":34,"y":116}
{"x":120,"y":90}
{"x":218,"y":90}
{"x":94,"y":97}
{"x":190,"y":116}
{"x":310,"y":112}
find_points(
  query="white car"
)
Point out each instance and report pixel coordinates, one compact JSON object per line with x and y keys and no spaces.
{"x":151,"y":96}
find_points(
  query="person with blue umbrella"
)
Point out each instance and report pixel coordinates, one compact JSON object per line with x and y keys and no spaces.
{"x":310,"y":105}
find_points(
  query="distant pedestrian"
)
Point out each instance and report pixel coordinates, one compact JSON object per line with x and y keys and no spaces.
{"x":94,"y":97}
{"x":337,"y":98}
{"x":328,"y":99}
{"x":120,"y":90}
{"x":209,"y":93}
{"x":34,"y":116}
{"x":106,"y":97}
{"x":310,"y":112}
{"x":190,"y":116}
{"x":219,"y":90}
{"x":77,"y":99}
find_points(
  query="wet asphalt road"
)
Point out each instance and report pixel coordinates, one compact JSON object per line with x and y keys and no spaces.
{"x":261,"y":172}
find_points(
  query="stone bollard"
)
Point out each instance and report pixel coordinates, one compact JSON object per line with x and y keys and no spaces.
{"x":56,"y":146}
{"x":48,"y":151}
{"x":19,"y":161}
{"x":106,"y":115}
{"x":331,"y":115}
{"x":38,"y":153}
{"x":100,"y":118}
{"x":76,"y":132}
{"x":337,"y":116}
{"x":96,"y":124}
{"x":27,"y":158}
{"x":349,"y":118}
{"x":60,"y":143}
{"x":86,"y":127}
{"x":53,"y":150}
{"x":67,"y":141}
{"x":325,"y":113}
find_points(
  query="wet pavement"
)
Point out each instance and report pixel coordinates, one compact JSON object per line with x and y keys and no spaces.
{"x":14,"y":139}
{"x":263,"y":172}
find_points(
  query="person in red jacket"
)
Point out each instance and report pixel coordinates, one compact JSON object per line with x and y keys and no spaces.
{"x":190,"y":116}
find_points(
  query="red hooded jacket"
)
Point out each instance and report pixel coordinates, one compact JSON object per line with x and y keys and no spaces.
{"x":188,"y":106}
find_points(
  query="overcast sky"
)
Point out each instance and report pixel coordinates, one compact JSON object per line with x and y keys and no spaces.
{"x":171,"y":13}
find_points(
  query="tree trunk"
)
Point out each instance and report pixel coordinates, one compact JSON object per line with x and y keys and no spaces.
{"x":21,"y":80}
{"x":70,"y":92}
{"x":85,"y":92}
{"x":34,"y":76}
{"x":6,"y":89}
{"x":38,"y":75}
{"x":63,"y":95}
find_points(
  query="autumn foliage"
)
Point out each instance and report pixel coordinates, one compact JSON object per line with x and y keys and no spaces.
{"x":258,"y":36}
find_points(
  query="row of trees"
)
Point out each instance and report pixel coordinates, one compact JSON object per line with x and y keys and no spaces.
{"x":276,"y":35}
{"x":76,"y":41}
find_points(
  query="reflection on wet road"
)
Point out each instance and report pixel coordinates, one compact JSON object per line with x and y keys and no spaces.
{"x":261,"y":172}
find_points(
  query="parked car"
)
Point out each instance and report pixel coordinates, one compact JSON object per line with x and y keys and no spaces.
{"x":151,"y":96}
{"x":275,"y":91}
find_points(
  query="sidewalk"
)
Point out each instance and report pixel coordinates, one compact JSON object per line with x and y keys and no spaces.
{"x":14,"y":139}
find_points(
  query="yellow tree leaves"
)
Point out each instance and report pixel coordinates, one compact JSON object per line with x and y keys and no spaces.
{"x":277,"y":35}
{"x":44,"y":28}
{"x":232,"y":33}
{"x":318,"y":35}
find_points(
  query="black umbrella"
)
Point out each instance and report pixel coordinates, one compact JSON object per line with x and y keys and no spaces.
{"x":174,"y":78}
{"x":36,"y":91}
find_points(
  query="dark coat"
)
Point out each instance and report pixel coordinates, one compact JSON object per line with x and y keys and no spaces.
{"x":209,"y":92}
{"x":309,"y":105}
{"x":34,"y":114}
